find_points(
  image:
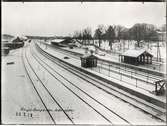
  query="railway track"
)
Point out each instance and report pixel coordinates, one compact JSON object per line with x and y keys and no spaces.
{"x":116,"y":67}
{"x":42,"y":92}
{"x":110,"y":62}
{"x":86,"y":101}
{"x":127,"y":73}
{"x":83,"y":100}
{"x":151,"y":109}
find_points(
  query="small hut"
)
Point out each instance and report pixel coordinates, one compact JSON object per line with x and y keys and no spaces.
{"x":136,"y":57}
{"x":88,"y":60}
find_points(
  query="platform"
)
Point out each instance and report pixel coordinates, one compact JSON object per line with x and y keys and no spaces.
{"x":150,"y":97}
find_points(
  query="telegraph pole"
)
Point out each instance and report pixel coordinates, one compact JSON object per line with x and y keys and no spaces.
{"x":158,"y":52}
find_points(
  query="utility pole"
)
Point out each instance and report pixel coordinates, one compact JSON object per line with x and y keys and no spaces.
{"x":158,"y":52}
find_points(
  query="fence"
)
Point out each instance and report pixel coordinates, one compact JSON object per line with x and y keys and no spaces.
{"x":125,"y":74}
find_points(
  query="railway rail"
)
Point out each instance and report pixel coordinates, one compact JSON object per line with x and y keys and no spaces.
{"x":118,"y":94}
{"x":51,"y":97}
{"x":120,"y":72}
{"x":43,"y":92}
{"x":120,"y":66}
{"x":80,"y":97}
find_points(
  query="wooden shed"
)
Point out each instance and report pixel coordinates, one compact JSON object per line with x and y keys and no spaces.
{"x":136,"y":57}
{"x":88,"y":60}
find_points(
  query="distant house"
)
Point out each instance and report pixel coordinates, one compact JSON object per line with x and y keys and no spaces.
{"x":136,"y":57}
{"x":17,"y":43}
{"x":17,"y":39}
{"x":61,"y":42}
{"x":161,"y":36}
{"x":7,"y":37}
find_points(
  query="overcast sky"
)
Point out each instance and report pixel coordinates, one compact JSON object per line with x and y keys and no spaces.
{"x":64,"y":18}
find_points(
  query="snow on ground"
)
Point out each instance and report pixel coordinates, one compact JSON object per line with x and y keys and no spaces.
{"x":118,"y":48}
{"x":67,"y":99}
{"x":54,"y":109}
{"x":124,"y":45}
{"x":21,"y":105}
{"x":19,"y":100}
{"x":132,"y":81}
{"x":77,"y":63}
{"x":121,"y":108}
{"x":18,"y":95}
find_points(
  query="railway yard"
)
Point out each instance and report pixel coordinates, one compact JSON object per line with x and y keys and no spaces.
{"x":45,"y":84}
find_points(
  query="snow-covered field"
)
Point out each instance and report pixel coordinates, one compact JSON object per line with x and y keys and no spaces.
{"x":124,"y":45}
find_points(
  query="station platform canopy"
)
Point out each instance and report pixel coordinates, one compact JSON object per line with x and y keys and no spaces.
{"x":136,"y":57}
{"x":135,"y":53}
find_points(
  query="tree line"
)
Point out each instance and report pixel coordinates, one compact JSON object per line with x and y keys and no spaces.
{"x":138,"y":32}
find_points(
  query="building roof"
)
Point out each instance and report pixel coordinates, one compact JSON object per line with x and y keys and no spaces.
{"x":58,"y":40}
{"x":87,"y":55}
{"x":17,"y":39}
{"x":4,"y":41}
{"x":135,"y":52}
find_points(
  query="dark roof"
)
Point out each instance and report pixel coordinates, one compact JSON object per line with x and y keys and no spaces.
{"x":17,"y":40}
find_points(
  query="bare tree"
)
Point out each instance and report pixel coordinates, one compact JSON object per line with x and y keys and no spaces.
{"x":163,"y":28}
{"x":119,"y":32}
{"x":145,"y":32}
{"x":135,"y":33}
{"x":78,"y":36}
{"x":150,"y":33}
{"x":87,"y":34}
{"x":110,"y":35}
{"x":99,"y":32}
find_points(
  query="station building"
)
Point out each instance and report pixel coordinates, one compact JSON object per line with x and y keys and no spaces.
{"x":136,"y":57}
{"x":17,"y":39}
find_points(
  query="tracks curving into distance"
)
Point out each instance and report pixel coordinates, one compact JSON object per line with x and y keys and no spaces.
{"x":37,"y":91}
{"x":86,"y":102}
{"x":26,"y":69}
{"x":81,"y":75}
{"x":41,"y":98}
